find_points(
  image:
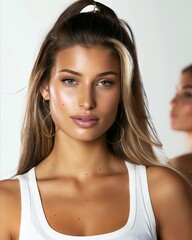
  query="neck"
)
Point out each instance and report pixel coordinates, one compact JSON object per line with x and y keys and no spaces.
{"x":74,"y":158}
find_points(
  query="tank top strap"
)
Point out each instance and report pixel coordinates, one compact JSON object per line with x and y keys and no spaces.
{"x":25,"y":204}
{"x":144,"y":194}
{"x":132,"y":191}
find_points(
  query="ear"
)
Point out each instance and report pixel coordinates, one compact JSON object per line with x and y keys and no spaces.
{"x":44,"y":90}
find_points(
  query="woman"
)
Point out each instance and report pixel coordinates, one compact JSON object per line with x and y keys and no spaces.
{"x":181,"y":119}
{"x":88,"y":168}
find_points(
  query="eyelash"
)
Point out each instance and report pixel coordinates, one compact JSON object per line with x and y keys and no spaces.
{"x":72,"y":81}
{"x":187,"y":95}
{"x":104,"y":83}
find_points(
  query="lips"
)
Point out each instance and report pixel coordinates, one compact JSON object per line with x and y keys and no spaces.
{"x":85,"y":121}
{"x":172,"y":115}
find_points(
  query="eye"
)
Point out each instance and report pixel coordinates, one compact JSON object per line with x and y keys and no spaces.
{"x":69,"y":81}
{"x":187,"y":95}
{"x":105,"y":83}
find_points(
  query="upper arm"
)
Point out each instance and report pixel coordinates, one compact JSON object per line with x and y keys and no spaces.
{"x":9,"y":209}
{"x":171,"y":198}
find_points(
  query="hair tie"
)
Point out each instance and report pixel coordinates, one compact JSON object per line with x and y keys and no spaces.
{"x":96,"y":9}
{"x":90,"y":8}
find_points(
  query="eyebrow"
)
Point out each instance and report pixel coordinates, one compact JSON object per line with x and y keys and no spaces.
{"x":98,"y":75}
{"x":187,"y":86}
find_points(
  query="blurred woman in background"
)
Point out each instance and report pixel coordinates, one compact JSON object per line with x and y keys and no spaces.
{"x":181,"y":119}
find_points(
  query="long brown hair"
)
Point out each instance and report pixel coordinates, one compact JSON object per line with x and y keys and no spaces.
{"x":101,"y":27}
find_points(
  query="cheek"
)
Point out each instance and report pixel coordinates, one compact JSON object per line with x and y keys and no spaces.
{"x":60,"y":98}
{"x":110,"y":104}
{"x":186,"y":118}
{"x":61,"y":105}
{"x":186,"y":110}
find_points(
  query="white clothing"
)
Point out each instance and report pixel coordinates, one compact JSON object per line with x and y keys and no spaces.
{"x":140,"y":225}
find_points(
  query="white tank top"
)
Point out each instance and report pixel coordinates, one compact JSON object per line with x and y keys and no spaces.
{"x":140,"y":224}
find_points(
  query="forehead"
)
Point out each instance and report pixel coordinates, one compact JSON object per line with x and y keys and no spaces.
{"x":87,"y":50}
{"x":185,"y":81}
{"x":186,"y":78}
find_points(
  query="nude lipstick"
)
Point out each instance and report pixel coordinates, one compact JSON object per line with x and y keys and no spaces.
{"x":85,"y":121}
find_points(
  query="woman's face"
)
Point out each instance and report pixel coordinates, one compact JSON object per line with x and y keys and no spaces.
{"x":181,"y":105}
{"x":84,"y":92}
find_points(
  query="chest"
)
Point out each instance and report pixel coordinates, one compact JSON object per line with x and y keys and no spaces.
{"x":93,"y":207}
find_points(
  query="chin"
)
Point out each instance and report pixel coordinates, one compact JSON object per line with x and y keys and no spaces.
{"x":88,"y":138}
{"x":177,"y":128}
{"x":173,"y":126}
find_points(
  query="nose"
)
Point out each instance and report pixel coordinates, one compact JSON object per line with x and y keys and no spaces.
{"x":173,"y":100}
{"x":87,"y":98}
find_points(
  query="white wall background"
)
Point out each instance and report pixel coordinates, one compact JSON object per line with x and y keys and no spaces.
{"x":164,"y":40}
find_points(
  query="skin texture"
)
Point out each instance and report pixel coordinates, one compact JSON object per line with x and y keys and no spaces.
{"x":80,"y":87}
{"x":181,"y":120}
{"x":85,"y":172}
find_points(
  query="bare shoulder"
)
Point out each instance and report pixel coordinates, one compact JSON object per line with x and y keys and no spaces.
{"x":171,"y":197}
{"x":9,"y":189}
{"x":9,"y":194}
{"x":164,"y":179}
{"x":9,"y":208}
{"x":166,"y":184}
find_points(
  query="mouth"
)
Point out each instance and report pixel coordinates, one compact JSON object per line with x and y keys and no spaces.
{"x":172,"y":115}
{"x":85,"y":121}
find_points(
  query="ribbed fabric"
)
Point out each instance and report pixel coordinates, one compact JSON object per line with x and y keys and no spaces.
{"x":140,"y":224}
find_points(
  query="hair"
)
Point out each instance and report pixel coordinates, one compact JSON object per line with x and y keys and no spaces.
{"x":133,"y":124}
{"x":187,"y":69}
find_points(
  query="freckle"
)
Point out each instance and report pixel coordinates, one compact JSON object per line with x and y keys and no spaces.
{"x":86,"y":174}
{"x":87,"y":200}
{"x":55,"y":215}
{"x":52,"y":164}
{"x":79,"y":219}
{"x":99,"y":169}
